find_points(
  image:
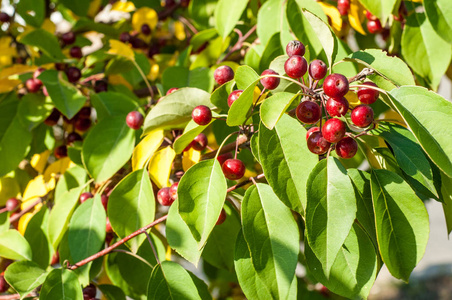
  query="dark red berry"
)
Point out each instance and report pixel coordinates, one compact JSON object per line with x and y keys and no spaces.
{"x":4,"y":17}
{"x":145,"y":29}
{"x":343,"y":6}
{"x":104,"y":200}
{"x":200,"y":142}
{"x":90,"y":291}
{"x":317,"y":143}
{"x":370,"y":16}
{"x":134,"y":120}
{"x":317,"y":69}
{"x":233,"y":169}
{"x":362,"y":115}
{"x":202,"y":115}
{"x":4,"y":286}
{"x":169,"y":3}
{"x":53,"y":118}
{"x":76,"y":52}
{"x":152,"y":50}
{"x":171,"y":90}
{"x":137,"y":43}
{"x":311,"y":130}
{"x":296,"y":66}
{"x":270,"y":83}
{"x":100,"y":86}
{"x":164,"y":196}
{"x":335,"y":85}
{"x":60,"y":152}
{"x":12,"y":204}
{"x":223,"y":74}
{"x":82,"y":125}
{"x":85,"y":196}
{"x":173,"y":190}
{"x":33,"y":85}
{"x":337,"y":107}
{"x":60,"y":66}
{"x":68,"y":38}
{"x":224,"y":157}
{"x":295,"y":48}
{"x":347,"y":147}
{"x":73,"y":137}
{"x":368,"y":95}
{"x":73,"y":74}
{"x":124,"y":37}
{"x":308,"y":112}
{"x":108,"y":227}
{"x":374,"y":26}
{"x":234,"y":96}
{"x":221,"y":217}
{"x":84,"y":113}
{"x":333,"y":130}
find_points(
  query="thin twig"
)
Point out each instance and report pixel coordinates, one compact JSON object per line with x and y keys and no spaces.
{"x":188,"y":24}
{"x":226,"y":148}
{"x":134,"y":255}
{"x":21,"y":213}
{"x":152,"y":246}
{"x":245,"y":182}
{"x":239,"y":44}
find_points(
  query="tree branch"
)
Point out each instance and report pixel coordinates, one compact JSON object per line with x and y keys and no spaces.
{"x":16,"y":217}
{"x":226,"y":148}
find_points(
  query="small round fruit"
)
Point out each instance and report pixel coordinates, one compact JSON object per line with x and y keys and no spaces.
{"x":108,"y":227}
{"x":317,"y":143}
{"x":221,"y":217}
{"x":60,"y":152}
{"x":55,"y":258}
{"x":308,"y":112}
{"x":85,"y":196}
{"x":73,"y":74}
{"x":335,"y":85}
{"x":76,"y":52}
{"x":296,"y":66}
{"x":337,"y":107}
{"x":312,"y":130}
{"x":164,"y":196}
{"x":173,"y":190}
{"x":12,"y":204}
{"x":200,"y":142}
{"x":295,"y":48}
{"x":90,"y":291}
{"x":53,"y":118}
{"x":223,"y":74}
{"x":73,"y":137}
{"x":152,"y":50}
{"x":333,"y":130}
{"x":84,"y":113}
{"x":202,"y":115}
{"x":368,"y":95}
{"x":234,"y":96}
{"x":124,"y":37}
{"x":343,"y":6}
{"x":347,"y":147}
{"x":370,"y":16}
{"x":317,"y":69}
{"x":171,"y":90}
{"x":145,"y":29}
{"x":33,"y":85}
{"x":233,"y":169}
{"x":104,"y":201}
{"x":224,"y":157}
{"x":374,"y":26}
{"x":60,"y":66}
{"x":82,"y":124}
{"x":270,"y":83}
{"x":134,"y":120}
{"x":100,"y":86}
{"x":362,"y":115}
{"x":68,"y":38}
{"x":4,"y":286}
{"x":4,"y":17}
{"x":137,"y":43}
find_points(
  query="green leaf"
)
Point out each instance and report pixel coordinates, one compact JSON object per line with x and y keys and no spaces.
{"x":174,"y":111}
{"x":32,"y":11}
{"x":61,"y":284}
{"x":269,"y":22}
{"x":390,"y":68}
{"x":169,"y":280}
{"x":272,"y":50}
{"x":446,"y":196}
{"x":424,"y":50}
{"x":25,"y":276}
{"x":382,"y":9}
{"x":354,"y":269}
{"x":107,"y":147}
{"x":33,"y":110}
{"x":79,"y":7}
{"x":36,"y":234}
{"x":14,"y":246}
{"x":112,"y":104}
{"x":190,"y":132}
{"x":66,"y":97}
{"x":227,"y":14}
{"x":401,"y":221}
{"x":72,"y":178}
{"x":132,"y":197}
{"x":439,"y":13}
{"x":219,"y":97}
{"x":245,"y":76}
{"x":4,"y":221}
{"x":423,"y":110}
{"x":286,"y":161}
{"x":330,"y":210}
{"x":239,"y":109}
{"x":179,"y":77}
{"x":274,"y":107}
{"x":44,"y":41}
{"x":201,"y":193}
{"x":112,"y":292}
{"x":86,"y":233}
{"x":274,"y":255}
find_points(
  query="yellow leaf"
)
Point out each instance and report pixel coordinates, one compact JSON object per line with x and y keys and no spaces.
{"x":7,"y":85}
{"x":16,"y":70}
{"x":168,"y":253}
{"x":160,"y":166}
{"x":333,"y":14}
{"x":356,"y":16}
{"x":39,"y":161}
{"x":49,"y":26}
{"x":9,"y":188}
{"x":257,"y":92}
{"x":117,"y":79}
{"x":146,"y":148}
{"x":23,"y":222}
{"x":35,"y":188}
{"x":121,"y":49}
{"x":123,"y":6}
{"x":189,"y":158}
{"x":352,"y":98}
{"x":154,"y":71}
{"x":144,"y":15}
{"x":57,"y":168}
{"x":94,"y":8}
{"x":179,"y":31}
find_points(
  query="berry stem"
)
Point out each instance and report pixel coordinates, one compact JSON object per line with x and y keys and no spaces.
{"x":369,"y":87}
{"x":361,"y":75}
{"x":24,"y":211}
{"x":151,"y":92}
{"x":152,"y":246}
{"x":226,"y":148}
{"x":239,"y":44}
{"x":305,"y":88}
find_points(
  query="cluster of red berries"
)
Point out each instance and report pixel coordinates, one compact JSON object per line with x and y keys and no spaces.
{"x":373,"y":23}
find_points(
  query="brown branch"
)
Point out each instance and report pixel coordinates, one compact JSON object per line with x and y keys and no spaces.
{"x":115,"y":245}
{"x":239,"y":43}
{"x":144,"y":92}
{"x":245,"y":182}
{"x":16,"y":217}
{"x":12,"y":297}
{"x":361,"y":75}
{"x":168,"y":11}
{"x":226,"y":148}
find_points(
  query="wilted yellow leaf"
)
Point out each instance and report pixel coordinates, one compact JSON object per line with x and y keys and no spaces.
{"x":144,"y":15}
{"x":179,"y":31}
{"x":160,"y":166}
{"x":23,"y":222}
{"x":123,"y":6}
{"x":333,"y":14}
{"x":121,"y":49}
{"x":356,"y":16}
{"x":94,"y":7}
{"x":39,"y":161}
{"x":189,"y":158}
{"x":146,"y":148}
{"x":9,"y":188}
{"x":57,"y":168}
{"x":7,"y":85}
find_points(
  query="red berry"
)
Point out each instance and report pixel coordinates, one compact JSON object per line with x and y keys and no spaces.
{"x":374,"y":26}
{"x":44,"y":91}
{"x":312,"y":130}
{"x":72,"y":137}
{"x":12,"y":204}
{"x":221,"y":217}
{"x":137,"y":43}
{"x":134,"y":120}
{"x":82,"y":124}
{"x":38,"y":72}
{"x":76,"y":52}
{"x":60,"y":66}
{"x":53,"y":118}
{"x":333,"y":130}
{"x":347,"y":147}
{"x":295,"y":48}
{"x":164,"y":197}
{"x":296,"y":66}
{"x":85,"y":196}
{"x":68,"y":38}
{"x":173,"y":190}
{"x":200,"y":142}
{"x":4,"y":286}
{"x":152,"y":50}
{"x":343,"y":6}
{"x":202,"y":115}
{"x":84,"y":113}
{"x":33,"y":85}
{"x":223,"y":74}
{"x":224,"y":157}
{"x":4,"y":17}
{"x":108,"y":227}
{"x":104,"y":200}
{"x":234,"y":96}
{"x":233,"y":169}
{"x":73,"y":74}
{"x":317,"y":143}
{"x":308,"y":112}
{"x":90,"y":291}
{"x":171,"y":90}
{"x":60,"y":152}
{"x":270,"y":83}
{"x":368,"y":95}
{"x":317,"y":69}
{"x":145,"y":29}
{"x":335,"y":85}
{"x":55,"y":258}
{"x":124,"y":37}
{"x":370,"y":16}
{"x":337,"y":107}
{"x":362,"y":115}
{"x":100,"y":86}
